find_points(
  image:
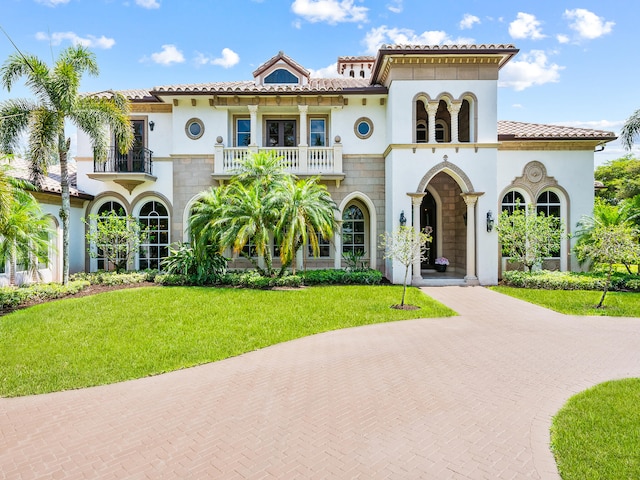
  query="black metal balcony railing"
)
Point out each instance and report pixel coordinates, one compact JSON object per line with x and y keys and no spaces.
{"x":136,"y":160}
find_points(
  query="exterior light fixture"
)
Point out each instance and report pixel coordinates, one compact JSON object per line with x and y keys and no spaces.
{"x":151,"y":125}
{"x":490,"y":221}
{"x":403,"y":219}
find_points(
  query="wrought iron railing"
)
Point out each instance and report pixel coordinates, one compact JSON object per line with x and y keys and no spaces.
{"x":136,"y":160}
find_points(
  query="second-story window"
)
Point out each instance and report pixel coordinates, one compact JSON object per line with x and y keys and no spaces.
{"x":243,"y":132}
{"x":317,"y":133}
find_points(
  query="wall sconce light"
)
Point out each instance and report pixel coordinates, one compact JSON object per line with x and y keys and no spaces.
{"x":403,"y":219}
{"x":151,"y":125}
{"x":464,"y":218}
{"x":490,"y":221}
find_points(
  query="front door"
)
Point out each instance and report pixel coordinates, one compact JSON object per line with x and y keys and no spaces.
{"x":281,"y":133}
{"x":428,"y":219}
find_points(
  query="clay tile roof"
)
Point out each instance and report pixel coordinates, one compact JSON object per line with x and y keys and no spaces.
{"x":315,"y":85}
{"x":281,"y":56}
{"x":508,"y":130}
{"x":133,"y":95}
{"x":450,"y":48}
{"x":19,"y":168}
{"x":356,"y":59}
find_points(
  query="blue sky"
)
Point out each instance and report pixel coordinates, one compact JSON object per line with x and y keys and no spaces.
{"x":576,"y":66}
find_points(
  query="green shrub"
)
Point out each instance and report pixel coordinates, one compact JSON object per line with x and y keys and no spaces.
{"x":555,"y":280}
{"x":113,"y":278}
{"x":342,"y":277}
{"x":14,"y":296}
{"x":200,"y":266}
{"x":252,"y":279}
{"x":172,"y":279}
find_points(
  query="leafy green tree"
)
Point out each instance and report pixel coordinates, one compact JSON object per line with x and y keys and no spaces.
{"x":405,"y":246}
{"x":630,"y":130}
{"x":200,"y":268}
{"x":56,"y":102}
{"x":621,"y":178}
{"x":528,"y":238}
{"x":114,"y":237}
{"x":605,"y":215}
{"x":24,"y":233}
{"x":609,"y":244}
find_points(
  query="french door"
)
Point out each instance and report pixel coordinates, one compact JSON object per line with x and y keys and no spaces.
{"x":281,"y":133}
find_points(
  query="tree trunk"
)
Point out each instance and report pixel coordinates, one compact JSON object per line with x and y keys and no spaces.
{"x":66,"y":205}
{"x":404,"y":284}
{"x":606,"y":286}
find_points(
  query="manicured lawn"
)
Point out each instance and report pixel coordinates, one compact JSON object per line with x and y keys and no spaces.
{"x":579,"y":302}
{"x":596,"y":435}
{"x":134,"y":333}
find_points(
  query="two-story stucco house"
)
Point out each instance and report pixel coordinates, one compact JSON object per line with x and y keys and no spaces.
{"x":412,"y":133}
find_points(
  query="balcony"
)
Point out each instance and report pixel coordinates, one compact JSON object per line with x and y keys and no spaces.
{"x":126,"y":169}
{"x":302,"y":161}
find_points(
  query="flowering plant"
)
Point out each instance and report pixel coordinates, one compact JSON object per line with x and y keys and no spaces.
{"x":442,"y":261}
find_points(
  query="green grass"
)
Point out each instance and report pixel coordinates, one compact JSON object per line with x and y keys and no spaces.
{"x":133,"y":333}
{"x":596,"y":435}
{"x":578,"y":302}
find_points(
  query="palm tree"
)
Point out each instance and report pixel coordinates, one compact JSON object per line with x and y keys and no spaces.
{"x":24,"y":234}
{"x":5,"y":192}
{"x":56,"y":101}
{"x":307,"y":213}
{"x":630,"y":130}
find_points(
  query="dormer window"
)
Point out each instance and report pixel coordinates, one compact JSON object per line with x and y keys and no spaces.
{"x":281,"y":76}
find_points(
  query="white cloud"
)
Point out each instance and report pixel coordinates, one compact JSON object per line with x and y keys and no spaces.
{"x":229,"y":59}
{"x":330,"y":11}
{"x":148,"y":4}
{"x":327,"y":72}
{"x":90,"y":41}
{"x":169,"y":55}
{"x":587,"y":24}
{"x":468,"y":21}
{"x":52,"y":3}
{"x":517,"y":105}
{"x":562,"y":38}
{"x":526,"y":26}
{"x":376,"y":37}
{"x":609,"y":125}
{"x":396,"y":6}
{"x":533,"y":68}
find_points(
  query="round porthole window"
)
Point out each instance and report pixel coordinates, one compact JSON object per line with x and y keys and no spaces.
{"x":363,"y":127}
{"x":194,"y":128}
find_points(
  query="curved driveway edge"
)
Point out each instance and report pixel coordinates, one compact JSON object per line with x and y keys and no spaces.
{"x":467,"y":397}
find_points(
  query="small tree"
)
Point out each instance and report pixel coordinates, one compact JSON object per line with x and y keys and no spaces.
{"x":528,"y":238}
{"x":116,"y":238}
{"x":406,"y":246}
{"x":609,"y":244}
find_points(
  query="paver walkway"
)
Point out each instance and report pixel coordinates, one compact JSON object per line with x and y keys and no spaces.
{"x":468,"y":397}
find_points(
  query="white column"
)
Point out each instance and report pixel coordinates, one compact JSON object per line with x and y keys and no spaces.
{"x":416,"y":202}
{"x":454,"y":110}
{"x":303,"y":156}
{"x":303,"y":109}
{"x":471,"y":199}
{"x":253,"y":112}
{"x":432,"y":109}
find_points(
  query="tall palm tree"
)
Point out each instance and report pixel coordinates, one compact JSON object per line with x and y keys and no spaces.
{"x":630,"y":130}
{"x":307,"y":213}
{"x":57,"y":100}
{"x":5,"y":191}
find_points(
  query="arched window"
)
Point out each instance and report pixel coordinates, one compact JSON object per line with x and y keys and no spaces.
{"x":102,"y":263}
{"x":513,"y":200}
{"x":548,"y":203}
{"x":421,"y":131}
{"x":154,"y":217}
{"x":442,"y":132}
{"x":421,"y":125}
{"x":464,"y":122}
{"x":281,"y":76}
{"x":353,"y":230}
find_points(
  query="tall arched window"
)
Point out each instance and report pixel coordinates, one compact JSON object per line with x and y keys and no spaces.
{"x":154,"y":217}
{"x":353,"y":230}
{"x":111,"y":206}
{"x":548,"y":203}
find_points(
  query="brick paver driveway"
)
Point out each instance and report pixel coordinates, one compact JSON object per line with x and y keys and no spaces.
{"x":469,"y":397}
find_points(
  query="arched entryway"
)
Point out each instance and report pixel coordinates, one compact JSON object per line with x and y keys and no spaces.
{"x":445,"y":200}
{"x":443,"y":209}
